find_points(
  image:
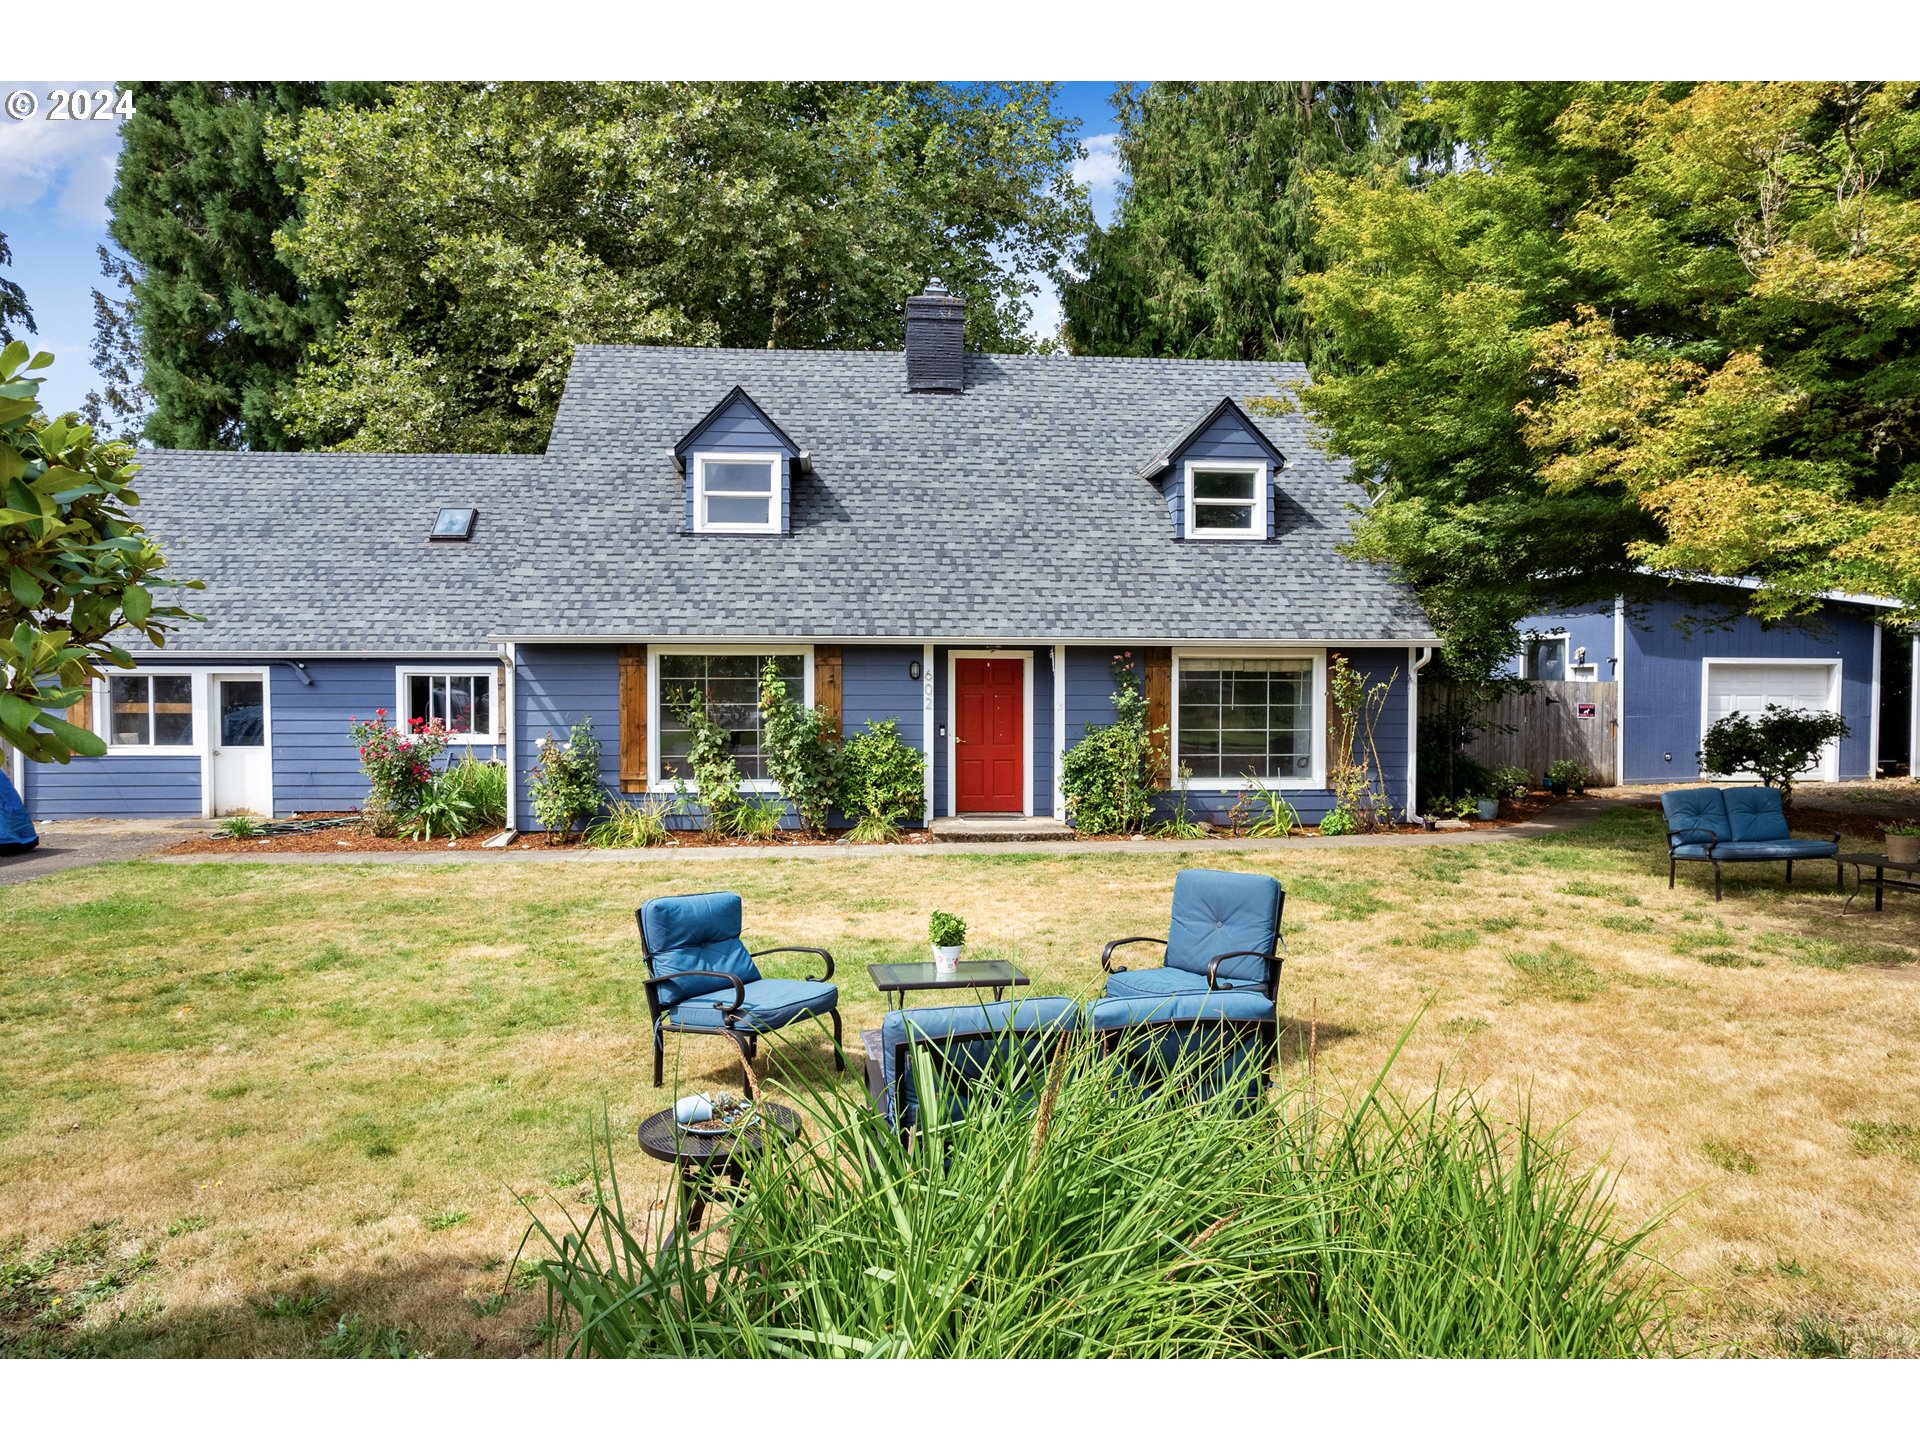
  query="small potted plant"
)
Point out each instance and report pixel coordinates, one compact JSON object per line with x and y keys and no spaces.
{"x":948,"y":933}
{"x":1903,"y":843}
{"x":1565,"y":775}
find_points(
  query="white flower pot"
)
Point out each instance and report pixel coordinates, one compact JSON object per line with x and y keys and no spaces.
{"x":946,"y":958}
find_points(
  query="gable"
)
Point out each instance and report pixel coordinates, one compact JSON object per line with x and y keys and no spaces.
{"x":1229,"y":436}
{"x":737,"y":427}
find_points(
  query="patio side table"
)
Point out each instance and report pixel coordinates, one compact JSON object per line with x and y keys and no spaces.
{"x":896,"y":982}
{"x":1882,"y":882}
{"x":707,"y":1162}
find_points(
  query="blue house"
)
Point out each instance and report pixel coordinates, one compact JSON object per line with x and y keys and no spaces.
{"x":961,"y":543}
{"x":1693,"y":655}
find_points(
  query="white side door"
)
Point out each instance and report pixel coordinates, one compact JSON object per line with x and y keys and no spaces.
{"x":241,"y":760}
{"x":1749,"y":686}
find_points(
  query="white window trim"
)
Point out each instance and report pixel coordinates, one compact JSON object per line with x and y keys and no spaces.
{"x":1587,"y":665}
{"x":1528,"y":640}
{"x":656,"y":781}
{"x":1262,"y":497}
{"x":1025,"y":657}
{"x":1829,"y":772}
{"x":103,"y":713}
{"x":1315,"y":779}
{"x":404,"y":673}
{"x":772,"y":459}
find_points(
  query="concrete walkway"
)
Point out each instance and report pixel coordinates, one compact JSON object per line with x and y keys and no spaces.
{"x":1567,"y":816}
{"x":69,"y":844}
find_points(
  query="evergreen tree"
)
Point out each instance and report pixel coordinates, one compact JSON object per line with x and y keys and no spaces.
{"x":13,"y":301}
{"x":213,"y":319}
{"x":1214,"y":225}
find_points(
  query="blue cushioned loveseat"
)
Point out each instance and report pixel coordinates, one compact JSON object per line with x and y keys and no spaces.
{"x":702,"y":980}
{"x":1147,"y":1034}
{"x":1224,"y":934}
{"x":1739,"y":823}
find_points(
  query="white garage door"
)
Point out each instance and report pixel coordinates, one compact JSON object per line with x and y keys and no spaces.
{"x":1750,"y":686}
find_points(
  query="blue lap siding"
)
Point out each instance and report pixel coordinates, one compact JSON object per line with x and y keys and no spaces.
{"x":555,"y":687}
{"x":1666,"y":675}
{"x":139,"y":787}
{"x":1663,"y":675}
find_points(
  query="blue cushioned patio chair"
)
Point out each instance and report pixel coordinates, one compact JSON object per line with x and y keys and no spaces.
{"x":964,"y":1044}
{"x":1233,"y":1036}
{"x":702,"y":980}
{"x":1745,"y":822}
{"x":1224,"y":935}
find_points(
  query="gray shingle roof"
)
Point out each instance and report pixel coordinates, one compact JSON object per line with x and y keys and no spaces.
{"x":1013,"y":510}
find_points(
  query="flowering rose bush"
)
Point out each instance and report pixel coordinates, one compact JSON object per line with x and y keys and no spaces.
{"x":398,"y":765}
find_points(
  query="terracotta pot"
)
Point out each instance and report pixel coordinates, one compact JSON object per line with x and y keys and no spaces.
{"x":1904,"y":849}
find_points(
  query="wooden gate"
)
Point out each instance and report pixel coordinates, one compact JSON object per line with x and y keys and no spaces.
{"x":1553,"y":720}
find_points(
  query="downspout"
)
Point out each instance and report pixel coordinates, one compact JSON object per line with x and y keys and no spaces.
{"x":1418,"y":657}
{"x":509,"y":657}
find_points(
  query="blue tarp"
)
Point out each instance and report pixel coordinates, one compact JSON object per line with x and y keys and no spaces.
{"x":16,"y":830}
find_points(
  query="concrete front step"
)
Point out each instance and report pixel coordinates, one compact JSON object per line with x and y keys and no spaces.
{"x":997,"y":830}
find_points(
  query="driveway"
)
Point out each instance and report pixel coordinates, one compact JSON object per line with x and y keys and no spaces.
{"x":68,"y":844}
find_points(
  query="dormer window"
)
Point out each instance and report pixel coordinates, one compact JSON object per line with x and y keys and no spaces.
{"x":736,"y":493}
{"x":1226,"y":501}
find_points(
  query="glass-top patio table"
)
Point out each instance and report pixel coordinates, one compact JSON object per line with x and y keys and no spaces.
{"x":896,"y":982}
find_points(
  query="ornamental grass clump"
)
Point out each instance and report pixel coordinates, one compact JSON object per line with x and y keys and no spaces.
{"x":1069,"y":1212}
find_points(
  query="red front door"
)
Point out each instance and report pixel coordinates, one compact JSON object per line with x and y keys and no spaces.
{"x":989,"y":725}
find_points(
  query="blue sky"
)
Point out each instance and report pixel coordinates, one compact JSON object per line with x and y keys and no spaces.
{"x":55,"y":176}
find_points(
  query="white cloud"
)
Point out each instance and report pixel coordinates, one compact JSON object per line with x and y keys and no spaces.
{"x":69,"y":160}
{"x":1100,"y":168}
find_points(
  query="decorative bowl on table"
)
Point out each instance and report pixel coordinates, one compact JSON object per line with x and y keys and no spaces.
{"x":712,"y":1115}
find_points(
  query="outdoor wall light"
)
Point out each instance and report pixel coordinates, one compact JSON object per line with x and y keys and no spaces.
{"x":913,"y":669}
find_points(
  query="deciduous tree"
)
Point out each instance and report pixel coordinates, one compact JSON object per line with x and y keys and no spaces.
{"x":78,"y":567}
{"x":483,"y":232}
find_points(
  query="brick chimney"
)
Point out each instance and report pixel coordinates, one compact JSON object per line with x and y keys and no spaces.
{"x":936,"y":359}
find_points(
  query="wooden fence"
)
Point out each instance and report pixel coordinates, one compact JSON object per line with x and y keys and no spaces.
{"x":1554,"y":720}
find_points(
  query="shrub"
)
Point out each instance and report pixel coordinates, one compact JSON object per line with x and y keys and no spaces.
{"x":1108,"y":777}
{"x":945,"y":928}
{"x":564,"y":784}
{"x":398,"y":765}
{"x":1776,"y":746}
{"x":716,"y":779}
{"x":1263,"y":812}
{"x":802,"y":747}
{"x":1339,"y":821}
{"x":628,"y":825}
{"x":882,"y":781}
{"x":1389,"y":1229}
{"x":1509,"y":782}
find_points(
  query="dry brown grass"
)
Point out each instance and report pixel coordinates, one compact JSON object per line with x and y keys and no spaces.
{"x":308,"y":1074}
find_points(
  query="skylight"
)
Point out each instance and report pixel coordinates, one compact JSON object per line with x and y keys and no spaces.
{"x":455,"y":523}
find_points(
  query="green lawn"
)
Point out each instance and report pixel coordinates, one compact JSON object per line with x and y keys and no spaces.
{"x":287,"y":1109}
